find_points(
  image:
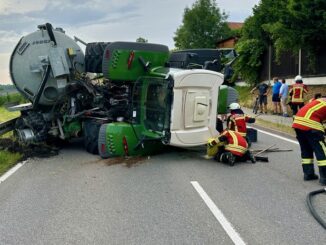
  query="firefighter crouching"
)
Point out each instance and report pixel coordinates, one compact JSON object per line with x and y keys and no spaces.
{"x":229,"y":147}
{"x":308,"y":125}
{"x":237,"y":121}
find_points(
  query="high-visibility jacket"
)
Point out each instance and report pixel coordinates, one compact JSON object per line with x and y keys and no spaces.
{"x":236,"y":144}
{"x":238,"y":123}
{"x":297,"y":90}
{"x":311,"y":116}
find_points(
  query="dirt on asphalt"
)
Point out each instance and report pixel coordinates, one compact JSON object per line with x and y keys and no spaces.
{"x":129,"y":161}
{"x":30,"y":151}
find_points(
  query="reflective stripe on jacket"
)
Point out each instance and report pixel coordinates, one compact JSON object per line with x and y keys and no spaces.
{"x":297,"y":90}
{"x":311,"y":116}
{"x":237,"y":145}
{"x":238,"y":123}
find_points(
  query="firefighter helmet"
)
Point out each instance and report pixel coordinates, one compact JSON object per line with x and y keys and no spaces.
{"x":298,"y":78}
{"x":234,"y":106}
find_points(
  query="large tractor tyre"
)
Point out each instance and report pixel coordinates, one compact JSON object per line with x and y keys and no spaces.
{"x":102,"y":146}
{"x":91,"y":131}
{"x":94,"y":56}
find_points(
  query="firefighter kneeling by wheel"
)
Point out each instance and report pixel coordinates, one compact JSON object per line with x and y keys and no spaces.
{"x":229,"y":147}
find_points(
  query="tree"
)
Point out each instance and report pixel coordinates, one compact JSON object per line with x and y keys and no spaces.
{"x":141,"y":40}
{"x":203,"y":25}
{"x":301,"y":25}
{"x":287,"y":25}
{"x":254,"y":40}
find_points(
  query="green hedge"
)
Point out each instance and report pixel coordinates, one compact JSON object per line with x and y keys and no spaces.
{"x":14,"y":97}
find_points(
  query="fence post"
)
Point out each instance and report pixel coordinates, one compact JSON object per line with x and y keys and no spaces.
{"x":299,"y":62}
{"x":269,"y":63}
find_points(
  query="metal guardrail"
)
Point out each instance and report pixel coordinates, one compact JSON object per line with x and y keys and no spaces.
{"x":7,"y":126}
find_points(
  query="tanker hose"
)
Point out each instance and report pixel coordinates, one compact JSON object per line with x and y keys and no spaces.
{"x":41,"y":88}
{"x":50,"y":32}
{"x":312,"y":209}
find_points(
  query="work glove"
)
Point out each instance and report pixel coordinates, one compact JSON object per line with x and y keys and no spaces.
{"x":211,"y":142}
{"x":251,"y":120}
{"x":223,"y":138}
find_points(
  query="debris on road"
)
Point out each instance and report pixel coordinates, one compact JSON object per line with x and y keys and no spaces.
{"x":35,"y":150}
{"x":276,"y":149}
{"x":130,"y":161}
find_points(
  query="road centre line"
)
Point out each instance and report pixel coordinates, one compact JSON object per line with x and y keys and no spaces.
{"x":11,"y":171}
{"x":227,"y":226}
{"x":277,"y":136}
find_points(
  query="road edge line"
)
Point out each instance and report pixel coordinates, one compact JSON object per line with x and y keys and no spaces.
{"x":226,"y":225}
{"x":11,"y":171}
{"x":276,"y":136}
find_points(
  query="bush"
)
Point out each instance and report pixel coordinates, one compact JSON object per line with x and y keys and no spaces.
{"x":245,"y":97}
{"x":15,"y":97}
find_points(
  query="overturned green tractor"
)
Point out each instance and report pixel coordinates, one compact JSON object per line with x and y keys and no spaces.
{"x":135,"y":104}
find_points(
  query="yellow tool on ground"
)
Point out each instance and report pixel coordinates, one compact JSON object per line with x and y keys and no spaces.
{"x":212,"y":147}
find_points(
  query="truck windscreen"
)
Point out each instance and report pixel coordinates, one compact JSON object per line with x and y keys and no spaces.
{"x":151,"y":97}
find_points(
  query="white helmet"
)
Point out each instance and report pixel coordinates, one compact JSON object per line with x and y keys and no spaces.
{"x":298,"y":78}
{"x":234,"y":106}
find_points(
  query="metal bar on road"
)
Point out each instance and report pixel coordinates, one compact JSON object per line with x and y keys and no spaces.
{"x":258,"y":153}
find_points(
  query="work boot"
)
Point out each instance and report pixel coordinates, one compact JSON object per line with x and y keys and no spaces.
{"x":231,"y":158}
{"x":228,"y":157}
{"x":322,"y":173}
{"x":309,"y":172}
{"x":252,"y":157}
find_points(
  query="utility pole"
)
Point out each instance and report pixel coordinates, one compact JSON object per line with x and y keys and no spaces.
{"x":299,"y":62}
{"x":269,"y":63}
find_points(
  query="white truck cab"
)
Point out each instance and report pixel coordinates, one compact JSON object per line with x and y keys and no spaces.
{"x":194,"y":108}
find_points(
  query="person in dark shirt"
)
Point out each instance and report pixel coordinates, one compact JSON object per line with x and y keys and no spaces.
{"x":263,"y":90}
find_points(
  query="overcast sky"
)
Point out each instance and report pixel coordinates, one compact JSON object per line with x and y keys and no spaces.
{"x":101,"y":20}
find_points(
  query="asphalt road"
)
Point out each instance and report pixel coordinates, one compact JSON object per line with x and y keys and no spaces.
{"x":77,"y":198}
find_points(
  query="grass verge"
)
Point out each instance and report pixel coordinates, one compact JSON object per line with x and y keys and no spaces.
{"x":7,"y":159}
{"x":7,"y":115}
{"x":245,"y":97}
{"x":275,"y":126}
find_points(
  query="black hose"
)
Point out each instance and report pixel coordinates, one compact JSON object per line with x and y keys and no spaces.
{"x":50,"y":32}
{"x":41,"y":88}
{"x":312,"y":209}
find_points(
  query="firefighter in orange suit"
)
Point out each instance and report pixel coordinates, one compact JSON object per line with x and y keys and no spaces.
{"x":237,"y":121}
{"x":297,"y":92}
{"x":232,"y":147}
{"x":308,"y":125}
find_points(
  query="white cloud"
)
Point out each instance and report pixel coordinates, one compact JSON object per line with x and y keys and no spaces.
{"x":237,"y":11}
{"x":8,"y":7}
{"x":101,"y":20}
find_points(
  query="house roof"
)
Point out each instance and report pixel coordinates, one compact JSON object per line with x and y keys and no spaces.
{"x":235,"y":25}
{"x":227,"y":39}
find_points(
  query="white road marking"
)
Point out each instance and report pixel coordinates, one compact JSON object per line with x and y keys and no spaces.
{"x":227,"y":226}
{"x":11,"y":171}
{"x":277,"y":136}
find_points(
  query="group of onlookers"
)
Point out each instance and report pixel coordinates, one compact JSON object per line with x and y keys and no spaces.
{"x":308,"y":122}
{"x":282,"y":96}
